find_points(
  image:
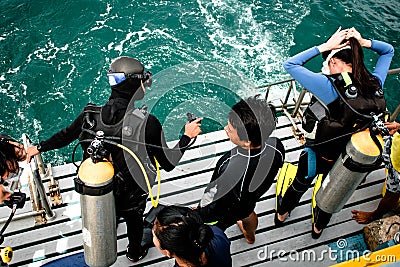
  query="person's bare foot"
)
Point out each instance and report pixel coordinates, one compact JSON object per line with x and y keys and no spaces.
{"x":249,"y":236}
{"x":316,"y":230}
{"x":363,"y":217}
{"x":315,"y":233}
{"x":283,"y":217}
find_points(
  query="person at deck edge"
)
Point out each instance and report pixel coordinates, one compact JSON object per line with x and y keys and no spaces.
{"x":11,"y":152}
{"x":343,"y":56}
{"x":243,"y":174}
{"x":391,"y":158}
{"x":127,"y":78}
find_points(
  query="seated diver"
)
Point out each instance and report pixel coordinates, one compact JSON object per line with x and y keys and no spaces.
{"x":391,"y":158}
{"x":243,"y":174}
{"x":346,"y":91}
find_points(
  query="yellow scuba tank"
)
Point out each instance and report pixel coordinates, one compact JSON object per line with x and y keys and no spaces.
{"x":95,"y":185}
{"x":395,"y":152}
{"x":360,"y":157}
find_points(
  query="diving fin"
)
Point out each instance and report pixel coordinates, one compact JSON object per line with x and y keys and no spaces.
{"x":285,"y":179}
{"x":317,"y":186}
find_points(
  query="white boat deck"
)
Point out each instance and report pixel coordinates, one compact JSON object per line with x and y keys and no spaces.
{"x":37,"y":245}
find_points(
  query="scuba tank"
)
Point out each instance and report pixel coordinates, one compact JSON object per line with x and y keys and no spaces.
{"x":95,"y":185}
{"x":361,"y":156}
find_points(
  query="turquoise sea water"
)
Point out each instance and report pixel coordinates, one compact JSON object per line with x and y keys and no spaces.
{"x":203,"y":54}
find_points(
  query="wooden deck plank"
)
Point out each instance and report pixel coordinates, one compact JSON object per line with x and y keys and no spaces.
{"x":73,"y":197}
{"x":73,"y":211}
{"x":67,"y":183}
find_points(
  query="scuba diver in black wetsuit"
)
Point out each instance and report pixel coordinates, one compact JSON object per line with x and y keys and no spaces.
{"x":128,"y":79}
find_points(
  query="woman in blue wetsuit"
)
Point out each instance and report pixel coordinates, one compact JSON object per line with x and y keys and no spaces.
{"x":331,"y":118}
{"x":178,"y":232}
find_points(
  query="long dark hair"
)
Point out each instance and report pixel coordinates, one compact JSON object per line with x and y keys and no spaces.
{"x":355,"y":57}
{"x":182,"y":232}
{"x":8,"y":158}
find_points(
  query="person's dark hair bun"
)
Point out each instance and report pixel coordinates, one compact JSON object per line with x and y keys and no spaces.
{"x":182,"y":232}
{"x":205,"y":235}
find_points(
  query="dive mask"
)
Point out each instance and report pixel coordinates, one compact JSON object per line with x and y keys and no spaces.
{"x":115,"y":78}
{"x":325,"y":65}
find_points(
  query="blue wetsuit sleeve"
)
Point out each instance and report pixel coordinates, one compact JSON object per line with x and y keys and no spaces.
{"x":386,"y":53}
{"x":316,"y":83}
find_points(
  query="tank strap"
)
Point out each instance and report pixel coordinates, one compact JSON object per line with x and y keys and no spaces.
{"x":354,"y":166}
{"x":83,"y":189}
{"x":376,"y":141}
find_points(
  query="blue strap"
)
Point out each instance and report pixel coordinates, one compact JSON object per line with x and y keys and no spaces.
{"x":312,"y":163}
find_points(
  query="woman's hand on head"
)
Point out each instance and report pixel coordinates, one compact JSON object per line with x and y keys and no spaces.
{"x":335,"y":41}
{"x":352,"y":32}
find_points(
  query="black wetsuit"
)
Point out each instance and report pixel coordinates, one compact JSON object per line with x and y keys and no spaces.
{"x":130,"y":198}
{"x":248,"y":174}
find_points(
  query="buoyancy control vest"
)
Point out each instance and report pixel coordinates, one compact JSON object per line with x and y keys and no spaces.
{"x":130,"y":131}
{"x":329,"y":127}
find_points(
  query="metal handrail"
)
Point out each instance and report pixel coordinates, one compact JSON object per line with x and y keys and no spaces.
{"x":42,"y":210}
{"x":40,"y":202}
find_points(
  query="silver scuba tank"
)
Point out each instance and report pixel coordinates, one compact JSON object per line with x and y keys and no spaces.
{"x":95,"y":184}
{"x":348,"y":172}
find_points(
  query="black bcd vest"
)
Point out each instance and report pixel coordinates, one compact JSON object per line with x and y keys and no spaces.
{"x":130,"y":132}
{"x":350,"y":112}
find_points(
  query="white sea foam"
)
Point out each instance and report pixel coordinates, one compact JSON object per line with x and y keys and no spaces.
{"x":106,"y":15}
{"x":120,"y":46}
{"x":14,"y":70}
{"x":252,"y":45}
{"x":47,"y":53}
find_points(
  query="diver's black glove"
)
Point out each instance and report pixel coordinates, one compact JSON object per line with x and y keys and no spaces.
{"x":16,"y":198}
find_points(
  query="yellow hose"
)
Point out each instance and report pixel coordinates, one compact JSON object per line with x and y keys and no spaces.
{"x":153,"y":202}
